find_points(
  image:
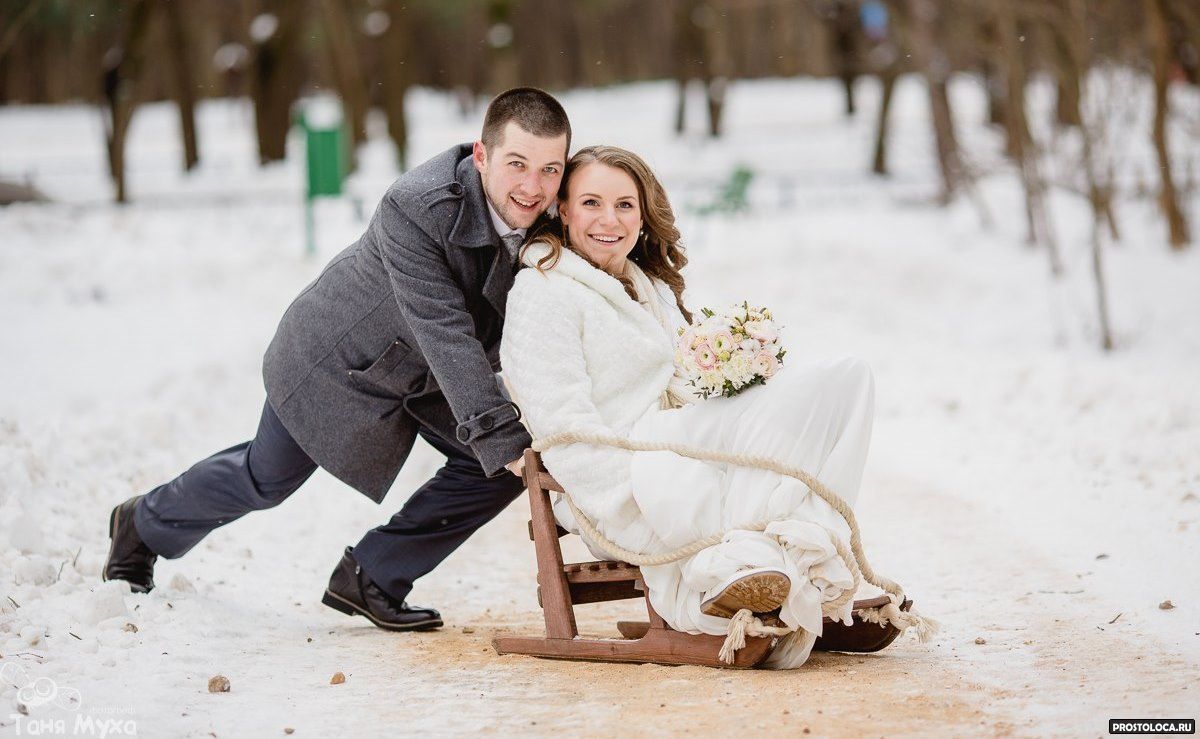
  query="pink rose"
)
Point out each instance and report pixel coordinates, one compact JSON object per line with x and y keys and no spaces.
{"x":706,"y":358}
{"x":722,"y":341}
{"x":766,"y":364}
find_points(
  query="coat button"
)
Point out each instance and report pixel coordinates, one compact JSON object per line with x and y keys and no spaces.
{"x":486,"y":423}
{"x":455,"y":188}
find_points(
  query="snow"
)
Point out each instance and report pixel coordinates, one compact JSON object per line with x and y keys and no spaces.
{"x":1026,"y":488}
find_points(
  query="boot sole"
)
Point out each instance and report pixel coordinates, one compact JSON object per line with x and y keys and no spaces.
{"x":338,"y":603}
{"x":760,"y":592}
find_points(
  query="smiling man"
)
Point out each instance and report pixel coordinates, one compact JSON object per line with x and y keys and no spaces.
{"x":398,"y":337}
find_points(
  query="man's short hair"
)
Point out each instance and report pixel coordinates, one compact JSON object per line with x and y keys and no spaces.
{"x":534,"y":110}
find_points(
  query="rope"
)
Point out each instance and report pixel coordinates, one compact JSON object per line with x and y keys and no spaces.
{"x":739,"y":625}
{"x":744,"y":623}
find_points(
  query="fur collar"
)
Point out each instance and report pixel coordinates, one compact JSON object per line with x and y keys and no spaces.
{"x":573,"y":266}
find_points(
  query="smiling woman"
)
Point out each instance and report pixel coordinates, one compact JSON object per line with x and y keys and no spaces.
{"x":613,"y":210}
{"x":602,"y":210}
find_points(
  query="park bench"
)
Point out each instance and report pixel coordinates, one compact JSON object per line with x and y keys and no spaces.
{"x":732,"y":196}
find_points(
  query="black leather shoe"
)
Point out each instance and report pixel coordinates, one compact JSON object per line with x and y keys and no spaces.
{"x":352,"y":592}
{"x":129,"y":558}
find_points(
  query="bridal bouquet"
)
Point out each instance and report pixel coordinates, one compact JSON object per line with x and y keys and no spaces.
{"x":727,"y":351}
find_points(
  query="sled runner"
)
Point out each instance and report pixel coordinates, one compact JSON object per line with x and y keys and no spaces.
{"x":561,"y":587}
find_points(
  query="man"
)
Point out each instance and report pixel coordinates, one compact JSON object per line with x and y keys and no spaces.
{"x":398,"y":337}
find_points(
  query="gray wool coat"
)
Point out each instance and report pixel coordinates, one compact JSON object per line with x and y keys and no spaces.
{"x":402,"y":329}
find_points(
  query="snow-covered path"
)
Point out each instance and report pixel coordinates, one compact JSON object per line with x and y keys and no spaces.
{"x":1027,"y":491}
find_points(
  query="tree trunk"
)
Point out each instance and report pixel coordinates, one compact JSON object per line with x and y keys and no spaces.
{"x":501,"y":53}
{"x":1066,"y":101}
{"x":185,"y":79}
{"x":681,"y":106}
{"x":715,"y":90}
{"x":1068,"y":73}
{"x":1158,"y":36}
{"x":995,"y":95}
{"x":949,"y":160}
{"x":1072,"y":40}
{"x":275,"y":78}
{"x":9,"y":36}
{"x":347,"y":69}
{"x":929,"y":58}
{"x":1185,"y":21}
{"x":122,"y":75}
{"x":691,"y":54}
{"x":887,"y":79}
{"x":396,"y":76}
{"x":1020,"y":138}
{"x":845,"y":45}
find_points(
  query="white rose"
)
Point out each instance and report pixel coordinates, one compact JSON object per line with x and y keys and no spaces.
{"x":764,"y":331}
{"x":712,"y":380}
{"x":716,"y":324}
{"x":739,"y":369}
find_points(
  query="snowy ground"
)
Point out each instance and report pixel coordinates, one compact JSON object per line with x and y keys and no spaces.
{"x":1037,"y":496}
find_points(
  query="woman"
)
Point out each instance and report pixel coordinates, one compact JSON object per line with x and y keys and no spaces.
{"x":588,"y":347}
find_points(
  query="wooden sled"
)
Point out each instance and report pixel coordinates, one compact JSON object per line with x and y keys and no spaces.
{"x":561,"y":587}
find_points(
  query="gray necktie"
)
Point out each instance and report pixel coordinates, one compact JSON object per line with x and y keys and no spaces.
{"x":512,"y":242}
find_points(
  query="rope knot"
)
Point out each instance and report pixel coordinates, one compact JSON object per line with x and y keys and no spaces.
{"x":744,"y":623}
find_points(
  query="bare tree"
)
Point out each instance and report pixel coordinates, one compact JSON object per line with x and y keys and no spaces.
{"x":1186,"y":37}
{"x":275,"y":76}
{"x":694,"y":59}
{"x":1020,"y":139}
{"x":887,"y":82}
{"x":1068,"y":79}
{"x":396,"y":75}
{"x":347,"y":69}
{"x":179,"y":49}
{"x":1158,"y":37}
{"x":15,"y":24}
{"x":500,"y":50}
{"x":123,"y":67}
{"x":1071,"y":33}
{"x":845,"y":31}
{"x":920,"y":21}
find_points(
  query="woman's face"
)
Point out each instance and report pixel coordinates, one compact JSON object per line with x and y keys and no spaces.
{"x":602,"y":214}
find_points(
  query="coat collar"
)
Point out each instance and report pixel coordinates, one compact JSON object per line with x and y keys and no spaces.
{"x":573,"y":266}
{"x":473,"y":227}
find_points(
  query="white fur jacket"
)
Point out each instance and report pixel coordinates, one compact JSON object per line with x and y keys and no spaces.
{"x":578,"y":354}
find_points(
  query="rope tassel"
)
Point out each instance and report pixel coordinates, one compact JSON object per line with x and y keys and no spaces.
{"x":737,"y":635}
{"x":926,"y":628}
{"x":744,"y":623}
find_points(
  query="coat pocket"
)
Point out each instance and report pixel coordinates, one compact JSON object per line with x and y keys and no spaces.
{"x":400,"y":370}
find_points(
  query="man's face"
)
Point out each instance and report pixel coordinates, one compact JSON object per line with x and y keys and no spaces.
{"x":521,"y":173}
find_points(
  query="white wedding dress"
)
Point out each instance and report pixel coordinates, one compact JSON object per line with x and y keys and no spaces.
{"x":813,"y":414}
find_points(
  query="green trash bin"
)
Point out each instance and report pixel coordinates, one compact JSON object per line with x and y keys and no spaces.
{"x":326,"y":157}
